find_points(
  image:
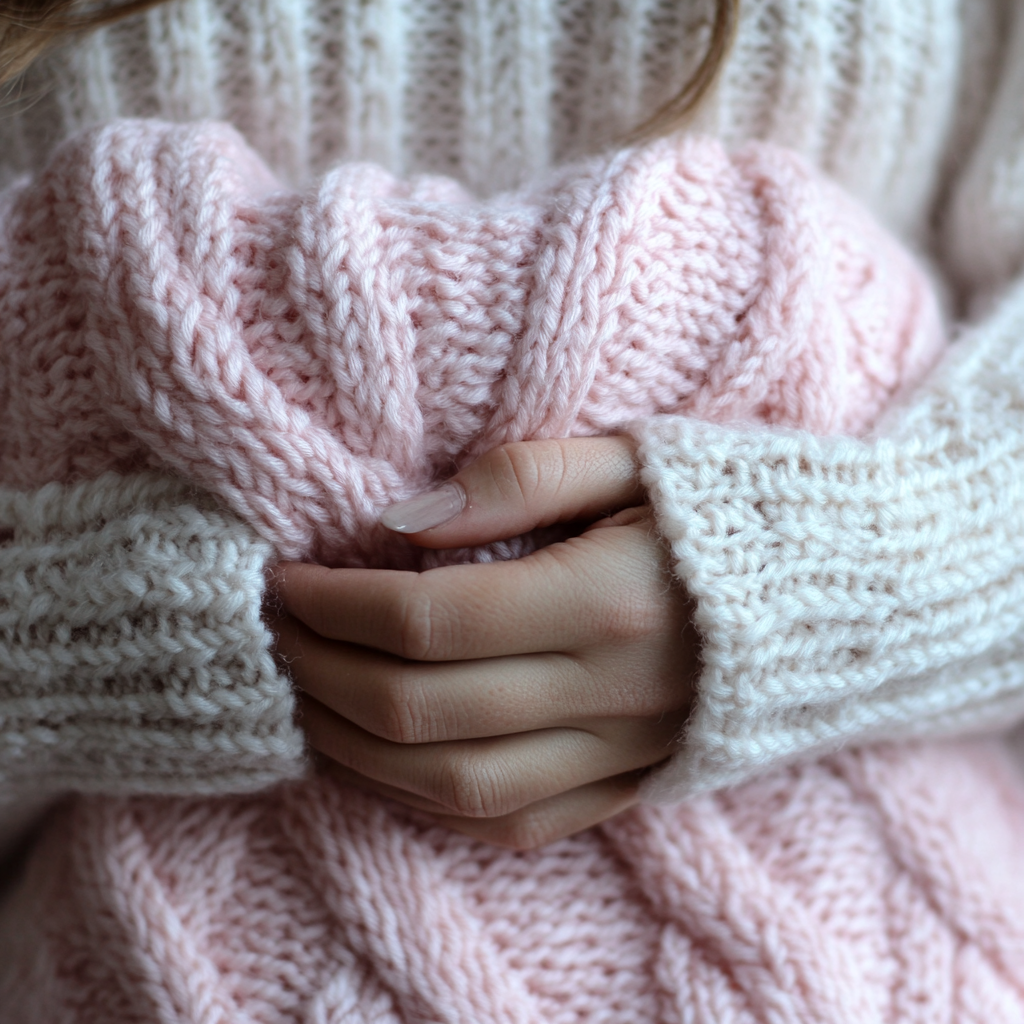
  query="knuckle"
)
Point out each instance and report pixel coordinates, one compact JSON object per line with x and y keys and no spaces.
{"x":474,"y":787}
{"x":405,"y":714}
{"x":423,"y":628}
{"x":530,"y":469}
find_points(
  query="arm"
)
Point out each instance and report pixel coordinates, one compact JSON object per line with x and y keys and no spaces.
{"x":845,"y":590}
{"x":132,"y":653}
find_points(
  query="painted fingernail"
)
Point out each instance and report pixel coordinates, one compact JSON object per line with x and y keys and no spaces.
{"x":425,"y":511}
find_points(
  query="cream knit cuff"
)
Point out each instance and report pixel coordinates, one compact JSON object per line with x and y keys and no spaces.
{"x":133,"y":657}
{"x":846,"y":590}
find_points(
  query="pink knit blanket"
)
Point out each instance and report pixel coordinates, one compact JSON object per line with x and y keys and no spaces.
{"x":312,"y":357}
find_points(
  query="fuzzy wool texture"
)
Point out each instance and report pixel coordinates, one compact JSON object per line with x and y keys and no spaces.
{"x":901,"y":103}
{"x":884,"y":97}
{"x":852,"y":590}
{"x":311,"y":358}
{"x":133,"y":657}
{"x":879,"y":886}
{"x":308,"y":358}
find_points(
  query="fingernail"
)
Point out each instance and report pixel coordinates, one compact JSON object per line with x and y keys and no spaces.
{"x":425,"y":511}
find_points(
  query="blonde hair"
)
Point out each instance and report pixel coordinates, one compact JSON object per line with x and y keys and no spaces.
{"x":680,"y":108}
{"x":29,"y":27}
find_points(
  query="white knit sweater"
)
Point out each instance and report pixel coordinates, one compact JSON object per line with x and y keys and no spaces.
{"x":845,"y":590}
{"x":882,"y":95}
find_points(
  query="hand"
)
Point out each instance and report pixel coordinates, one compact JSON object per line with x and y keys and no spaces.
{"x":518,"y":701}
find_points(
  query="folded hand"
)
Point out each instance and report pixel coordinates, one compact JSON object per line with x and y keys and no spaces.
{"x":518,"y":701}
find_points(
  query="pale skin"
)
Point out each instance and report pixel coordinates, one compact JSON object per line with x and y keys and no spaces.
{"x":519,"y":702}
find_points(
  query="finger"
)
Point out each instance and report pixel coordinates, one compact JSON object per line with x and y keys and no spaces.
{"x":353,"y":778}
{"x":486,"y":777}
{"x":608,"y":585}
{"x":549,"y":820}
{"x":418,"y":702}
{"x":529,"y":827}
{"x":518,"y":487}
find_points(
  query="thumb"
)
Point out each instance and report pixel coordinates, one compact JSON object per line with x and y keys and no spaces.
{"x":517,"y":487}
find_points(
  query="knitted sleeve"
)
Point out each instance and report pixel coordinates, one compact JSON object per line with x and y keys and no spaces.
{"x":133,"y":657}
{"x":850,"y":590}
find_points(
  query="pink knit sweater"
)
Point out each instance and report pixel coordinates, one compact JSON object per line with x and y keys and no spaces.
{"x":311,"y":358}
{"x":879,"y":887}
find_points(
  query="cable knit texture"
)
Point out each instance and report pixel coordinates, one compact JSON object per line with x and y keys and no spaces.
{"x":874,"y":886}
{"x":893,"y":99}
{"x":132,"y":654}
{"x":309,"y":358}
{"x":879,"y":887}
{"x":312,"y":358}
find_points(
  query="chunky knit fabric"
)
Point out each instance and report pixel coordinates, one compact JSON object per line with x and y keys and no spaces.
{"x":312,"y":358}
{"x":903,"y":103}
{"x":880,"y":887}
{"x":882,"y":96}
{"x":851,"y":590}
{"x":119,"y":579}
{"x":238,"y":334}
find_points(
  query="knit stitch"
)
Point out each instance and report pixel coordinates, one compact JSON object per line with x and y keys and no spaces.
{"x":902,"y":103}
{"x":850,"y":590}
{"x":132,"y":653}
{"x":880,"y":887}
{"x":312,"y":358}
{"x":882,"y":96}
{"x":773,"y":926}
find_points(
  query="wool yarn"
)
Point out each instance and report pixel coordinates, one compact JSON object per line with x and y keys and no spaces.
{"x":874,"y":886}
{"x":884,"y":97}
{"x":310,"y":358}
{"x":901,"y":103}
{"x":133,"y":656}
